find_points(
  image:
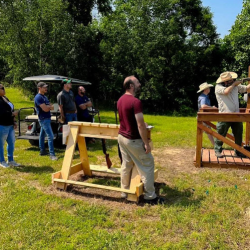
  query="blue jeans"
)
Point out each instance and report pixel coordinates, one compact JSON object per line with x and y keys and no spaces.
{"x":69,"y":117}
{"x":7,"y":133}
{"x":46,"y":129}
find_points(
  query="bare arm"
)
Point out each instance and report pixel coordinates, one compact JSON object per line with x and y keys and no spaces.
{"x":206,"y":106}
{"x":61,"y":110}
{"x":230,"y":88}
{"x":89,"y":104}
{"x":143,"y":131}
{"x":85,"y":105}
{"x":46,"y":108}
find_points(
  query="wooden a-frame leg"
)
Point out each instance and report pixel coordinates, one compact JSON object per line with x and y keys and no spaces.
{"x":68,"y":157}
{"x":135,"y":185}
{"x":84,"y":156}
{"x":198,"y":145}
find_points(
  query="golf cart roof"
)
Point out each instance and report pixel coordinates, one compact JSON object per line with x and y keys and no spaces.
{"x":55,"y":79}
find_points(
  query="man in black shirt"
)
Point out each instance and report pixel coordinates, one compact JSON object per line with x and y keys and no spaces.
{"x":66,"y":102}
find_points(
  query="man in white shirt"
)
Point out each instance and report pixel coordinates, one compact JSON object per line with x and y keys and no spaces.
{"x":226,"y":92}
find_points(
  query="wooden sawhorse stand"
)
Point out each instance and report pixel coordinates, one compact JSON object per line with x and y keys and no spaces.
{"x":77,"y":134}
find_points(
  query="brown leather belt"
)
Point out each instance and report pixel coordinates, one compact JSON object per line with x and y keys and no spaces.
{"x":70,"y":112}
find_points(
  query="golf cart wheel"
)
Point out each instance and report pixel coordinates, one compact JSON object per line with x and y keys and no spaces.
{"x":34,"y":142}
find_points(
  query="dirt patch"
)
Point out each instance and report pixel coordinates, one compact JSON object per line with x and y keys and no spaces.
{"x":178,"y":159}
{"x":170,"y":162}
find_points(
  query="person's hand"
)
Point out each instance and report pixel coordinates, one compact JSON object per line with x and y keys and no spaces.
{"x":15,"y":125}
{"x":236,"y":83}
{"x":147,"y":148}
{"x":51,"y":107}
{"x":15,"y":113}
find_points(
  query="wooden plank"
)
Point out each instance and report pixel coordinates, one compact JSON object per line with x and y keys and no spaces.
{"x":198,"y":144}
{"x":214,"y":127}
{"x":104,"y":169}
{"x":205,"y":155}
{"x":91,"y":185}
{"x":246,"y":161}
{"x":156,"y":173}
{"x":223,"y":117}
{"x":229,"y":157}
{"x":213,"y":158}
{"x":216,"y":110}
{"x":139,"y":190}
{"x":76,"y":168}
{"x":247,"y":137}
{"x":69,"y":152}
{"x":56,"y":175}
{"x":225,"y":140}
{"x":237,"y":160}
{"x":222,"y":160}
{"x":230,"y":166}
{"x":134,"y":182}
{"x":101,"y":130}
{"x":84,"y":156}
{"x":99,"y":136}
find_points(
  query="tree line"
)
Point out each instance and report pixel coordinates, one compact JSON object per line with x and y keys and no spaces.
{"x":171,"y":46}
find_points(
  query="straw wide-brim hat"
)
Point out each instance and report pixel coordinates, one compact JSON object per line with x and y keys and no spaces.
{"x":204,"y":86}
{"x":226,"y":76}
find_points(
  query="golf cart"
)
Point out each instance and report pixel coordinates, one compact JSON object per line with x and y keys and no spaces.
{"x":30,"y":117}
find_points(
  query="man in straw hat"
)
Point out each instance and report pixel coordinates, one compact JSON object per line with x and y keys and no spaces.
{"x":226,"y":92}
{"x":204,"y":102}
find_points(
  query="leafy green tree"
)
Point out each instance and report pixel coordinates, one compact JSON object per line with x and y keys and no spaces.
{"x":170,"y":45}
{"x":81,"y":9}
{"x":236,"y":46}
{"x":41,"y":37}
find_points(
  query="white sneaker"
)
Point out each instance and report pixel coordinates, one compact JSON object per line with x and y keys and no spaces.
{"x":124,"y":195}
{"x":13,"y":164}
{"x":53,"y":158}
{"x":4,"y":164}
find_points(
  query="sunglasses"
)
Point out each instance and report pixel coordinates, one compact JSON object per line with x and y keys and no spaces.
{"x":66,"y":81}
{"x":2,"y":88}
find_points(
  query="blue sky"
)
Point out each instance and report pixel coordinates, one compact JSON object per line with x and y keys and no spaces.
{"x":224,"y":13}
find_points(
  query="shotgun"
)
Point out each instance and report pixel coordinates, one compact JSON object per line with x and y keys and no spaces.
{"x":119,"y":151}
{"x":104,"y":148}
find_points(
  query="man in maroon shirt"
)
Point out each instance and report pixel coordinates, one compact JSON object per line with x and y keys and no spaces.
{"x":134,"y":143}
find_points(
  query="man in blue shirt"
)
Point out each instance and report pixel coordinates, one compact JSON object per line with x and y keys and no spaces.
{"x":43,"y":108}
{"x":82,"y":104}
{"x":204,"y":102}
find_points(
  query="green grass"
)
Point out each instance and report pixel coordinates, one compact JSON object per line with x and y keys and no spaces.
{"x":205,"y":209}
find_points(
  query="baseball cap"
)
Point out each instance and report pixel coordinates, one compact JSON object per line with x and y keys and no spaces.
{"x":42,"y":84}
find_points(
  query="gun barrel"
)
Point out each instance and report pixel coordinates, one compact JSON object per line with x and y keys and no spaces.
{"x":246,"y":79}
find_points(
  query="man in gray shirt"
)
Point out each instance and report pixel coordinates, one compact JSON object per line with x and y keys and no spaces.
{"x":66,"y":102}
{"x":226,"y":92}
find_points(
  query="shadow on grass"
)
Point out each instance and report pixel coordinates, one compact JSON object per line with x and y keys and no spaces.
{"x":173,"y":197}
{"x":35,"y":169}
{"x":176,"y":197}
